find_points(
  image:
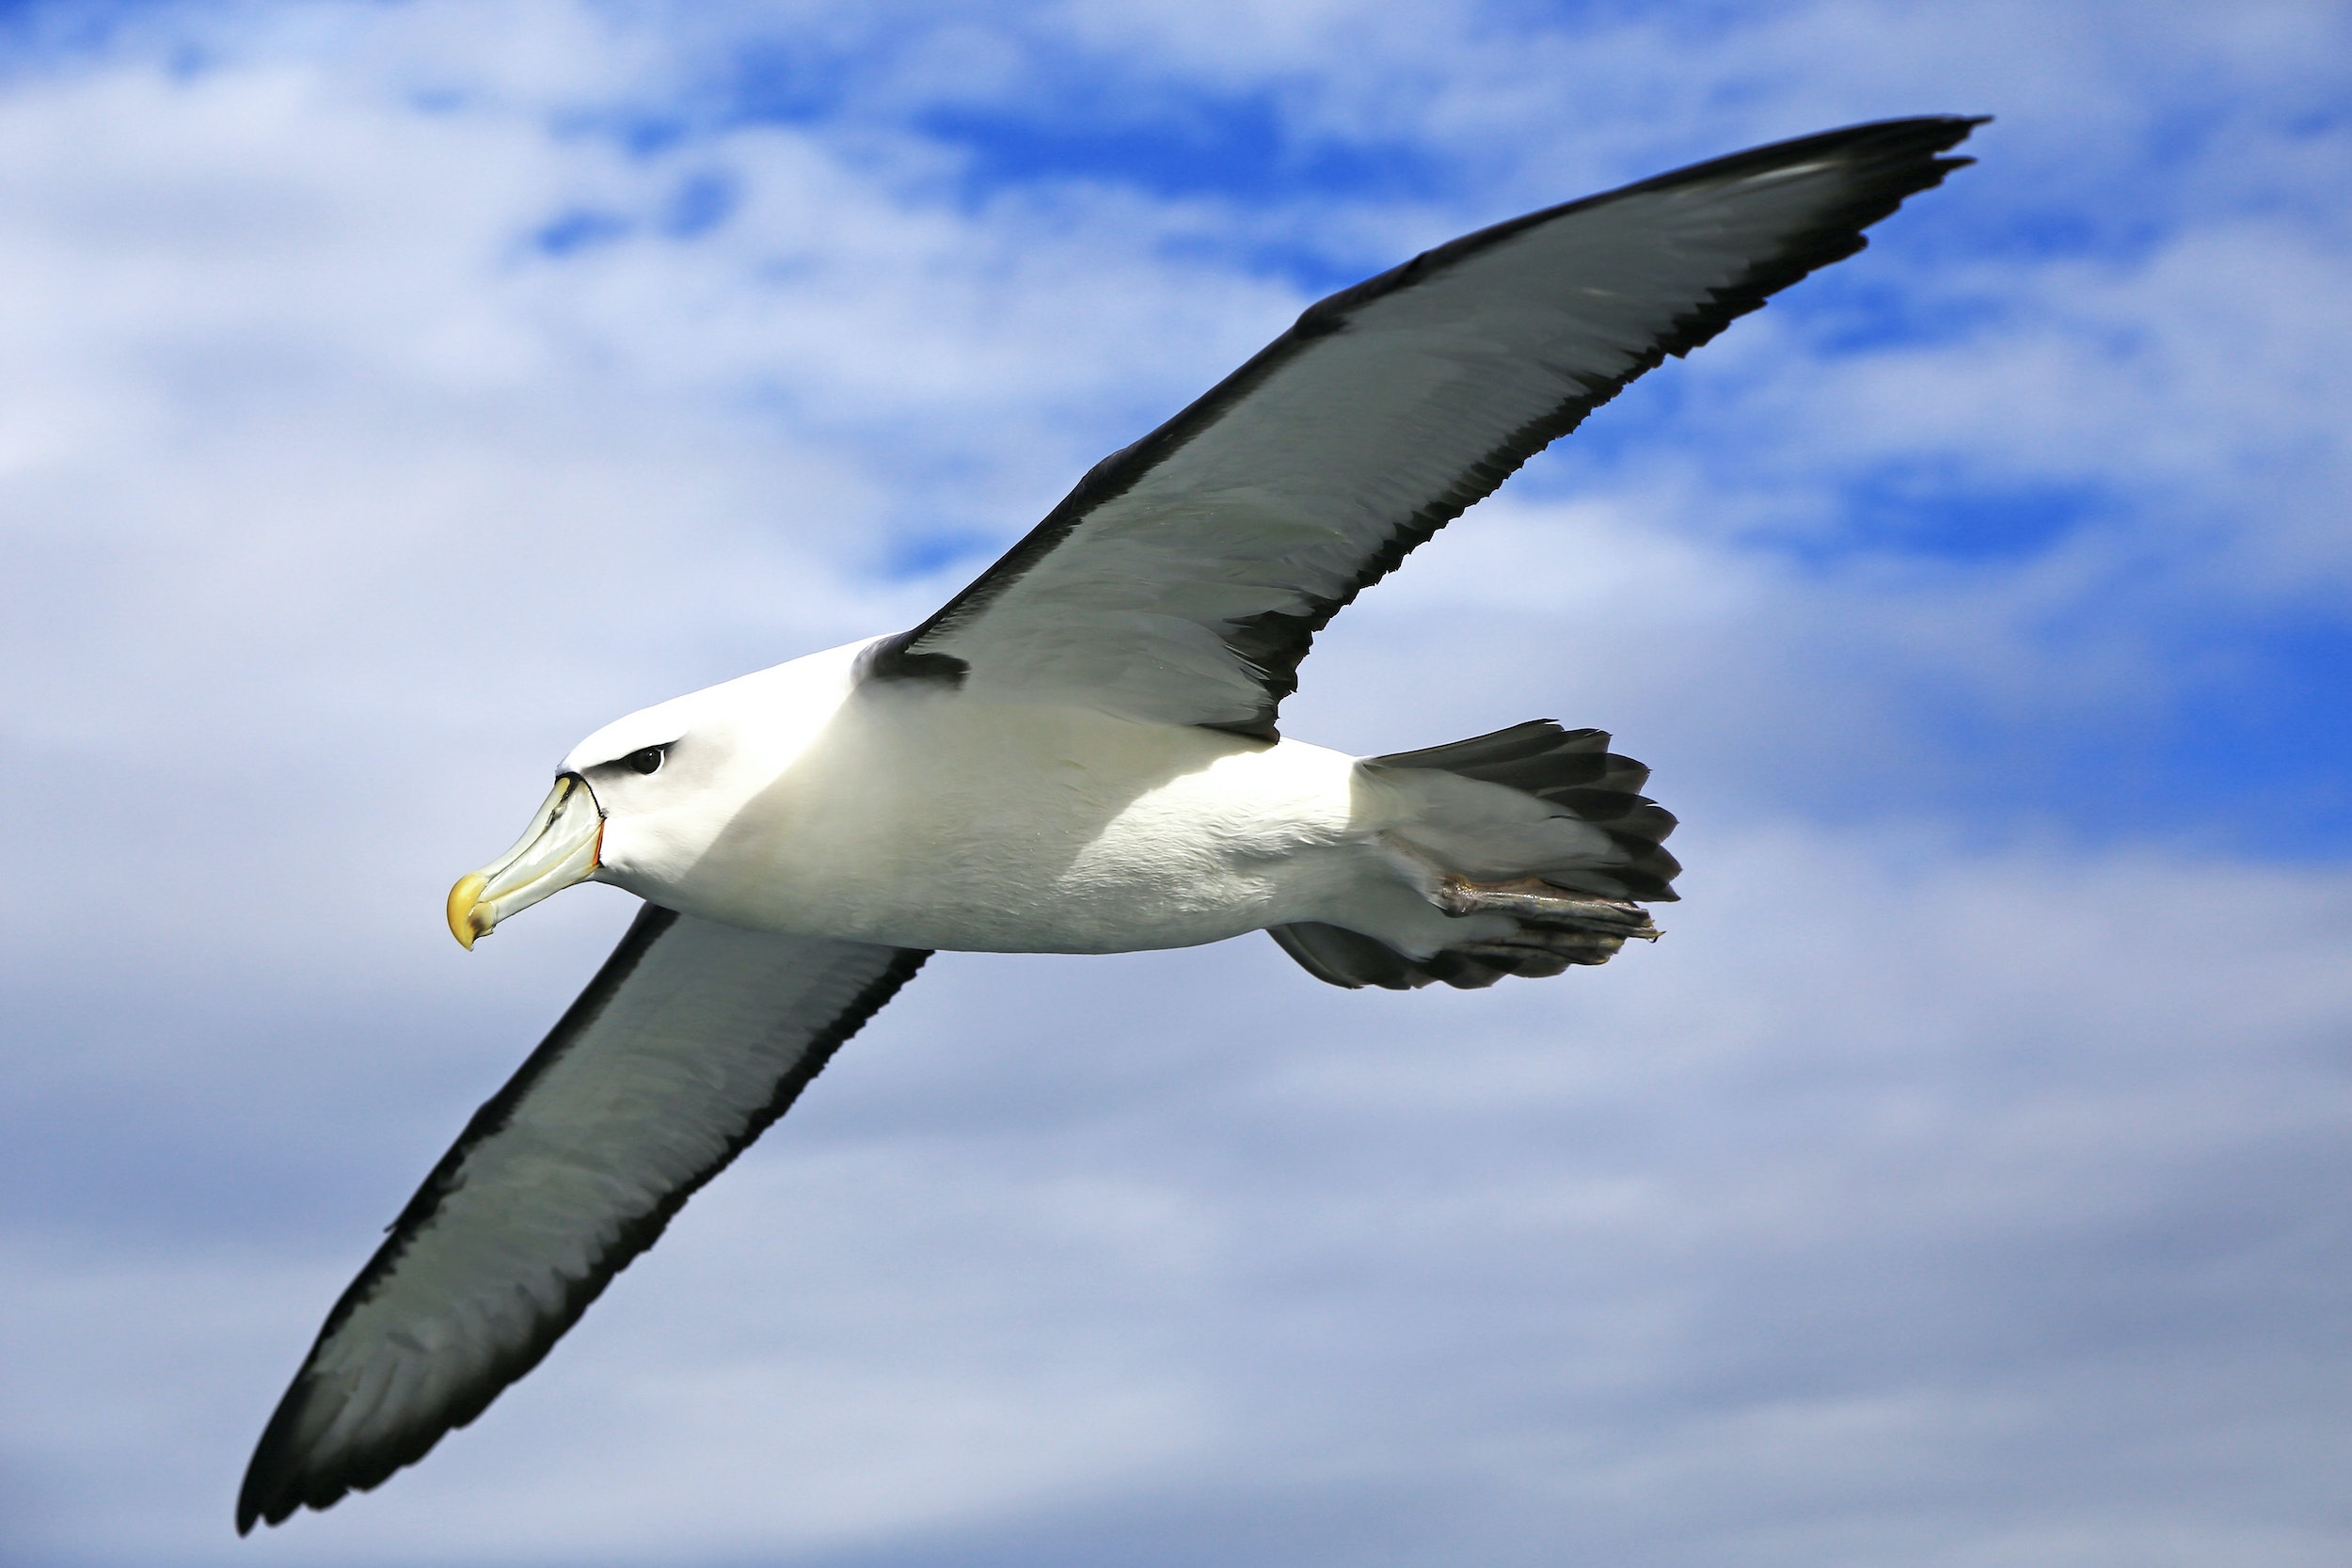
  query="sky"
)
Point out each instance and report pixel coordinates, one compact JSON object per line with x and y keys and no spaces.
{"x":390,"y":394}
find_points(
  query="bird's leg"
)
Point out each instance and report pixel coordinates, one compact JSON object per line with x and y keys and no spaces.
{"x":1556,"y":923}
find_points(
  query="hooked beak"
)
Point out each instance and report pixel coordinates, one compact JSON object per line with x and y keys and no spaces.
{"x":560,"y":847}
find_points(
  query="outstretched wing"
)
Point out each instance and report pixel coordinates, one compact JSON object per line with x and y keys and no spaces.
{"x":692,"y":1038}
{"x":1183,"y":577}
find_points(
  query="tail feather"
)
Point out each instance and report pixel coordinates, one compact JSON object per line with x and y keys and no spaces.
{"x":1572,"y":770}
{"x":1338,"y":956}
{"x":1576,"y":770}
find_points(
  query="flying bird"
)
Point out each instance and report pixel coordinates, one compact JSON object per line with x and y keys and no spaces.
{"x":1079,"y":753}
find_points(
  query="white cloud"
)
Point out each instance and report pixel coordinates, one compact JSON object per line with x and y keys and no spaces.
{"x":1939,"y":1191}
{"x":1867,"y":1195}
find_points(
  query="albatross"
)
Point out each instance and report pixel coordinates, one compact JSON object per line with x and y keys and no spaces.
{"x":1079,"y":753}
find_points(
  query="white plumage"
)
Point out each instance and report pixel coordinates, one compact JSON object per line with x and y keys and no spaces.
{"x":804,"y":800}
{"x":1079,"y":753}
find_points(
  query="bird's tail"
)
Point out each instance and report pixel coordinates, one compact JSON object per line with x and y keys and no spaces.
{"x":1571,"y":908}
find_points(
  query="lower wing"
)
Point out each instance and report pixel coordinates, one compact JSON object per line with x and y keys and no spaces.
{"x":692,"y":1038}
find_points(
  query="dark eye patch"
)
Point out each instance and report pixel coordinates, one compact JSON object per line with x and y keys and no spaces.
{"x":646,"y":761}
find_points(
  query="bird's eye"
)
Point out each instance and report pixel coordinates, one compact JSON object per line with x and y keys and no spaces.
{"x":646,"y":761}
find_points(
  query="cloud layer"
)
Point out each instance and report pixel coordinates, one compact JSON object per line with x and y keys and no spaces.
{"x":388,"y":395}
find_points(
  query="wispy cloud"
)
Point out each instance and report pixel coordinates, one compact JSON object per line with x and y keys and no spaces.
{"x":389,"y":394}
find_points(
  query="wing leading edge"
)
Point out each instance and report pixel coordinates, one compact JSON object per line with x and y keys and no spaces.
{"x":1183,"y":577}
{"x":691,"y":1039}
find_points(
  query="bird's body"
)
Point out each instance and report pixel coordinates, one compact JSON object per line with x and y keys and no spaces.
{"x":912,"y":816}
{"x":1079,"y":753}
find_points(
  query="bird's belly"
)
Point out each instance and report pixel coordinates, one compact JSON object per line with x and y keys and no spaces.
{"x":1035,"y":831}
{"x":1121,"y":905}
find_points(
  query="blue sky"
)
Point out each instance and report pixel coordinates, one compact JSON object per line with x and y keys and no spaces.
{"x":391,"y":393}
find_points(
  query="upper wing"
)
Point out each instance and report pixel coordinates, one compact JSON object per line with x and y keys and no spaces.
{"x":1183,"y":577}
{"x":692,"y":1038}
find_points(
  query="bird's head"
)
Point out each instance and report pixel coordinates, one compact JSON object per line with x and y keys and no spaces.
{"x":610,"y":795}
{"x":640,"y":801}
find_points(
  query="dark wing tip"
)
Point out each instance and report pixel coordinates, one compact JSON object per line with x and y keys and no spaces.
{"x":288,"y":1472}
{"x":290,"y":1469}
{"x":1900,"y":154}
{"x":281,"y":1477}
{"x":1891,"y":161}
{"x":279,"y":1480}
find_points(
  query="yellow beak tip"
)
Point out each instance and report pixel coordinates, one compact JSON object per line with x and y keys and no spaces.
{"x":463,"y":920}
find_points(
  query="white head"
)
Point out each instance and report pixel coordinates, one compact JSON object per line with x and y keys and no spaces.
{"x":637,"y":802}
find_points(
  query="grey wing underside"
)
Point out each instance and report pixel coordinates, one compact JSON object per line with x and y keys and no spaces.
{"x":687,"y":1043}
{"x":1183,"y":579}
